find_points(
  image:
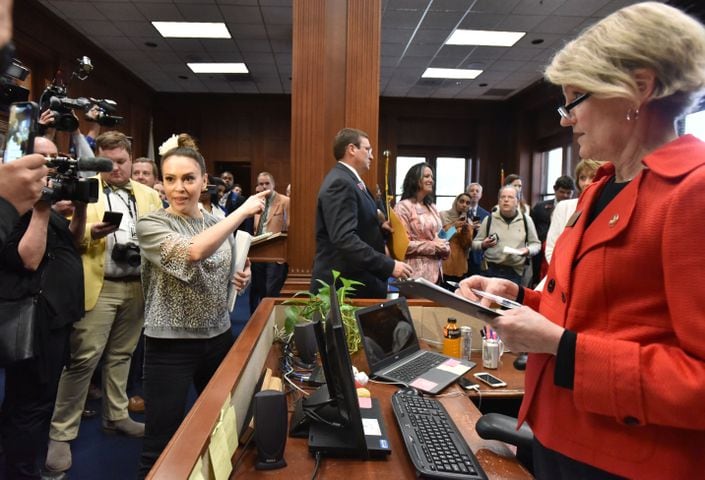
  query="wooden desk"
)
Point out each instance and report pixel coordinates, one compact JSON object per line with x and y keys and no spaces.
{"x":512,"y":377}
{"x":496,"y":458}
{"x":235,"y":381}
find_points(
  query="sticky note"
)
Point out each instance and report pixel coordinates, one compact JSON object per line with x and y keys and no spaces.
{"x":364,"y":402}
{"x":422,"y":384}
{"x":371,"y":427}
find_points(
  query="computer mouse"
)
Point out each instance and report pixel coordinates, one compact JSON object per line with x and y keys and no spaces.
{"x":408,"y":391}
{"x":520,"y":361}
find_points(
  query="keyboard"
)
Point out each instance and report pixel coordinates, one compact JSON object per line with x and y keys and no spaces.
{"x":416,"y":367}
{"x":432,"y":440}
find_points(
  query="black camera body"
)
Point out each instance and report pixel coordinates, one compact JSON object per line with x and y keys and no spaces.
{"x":105,"y":109}
{"x":55,"y":98}
{"x":128,"y":253}
{"x":67,"y":184}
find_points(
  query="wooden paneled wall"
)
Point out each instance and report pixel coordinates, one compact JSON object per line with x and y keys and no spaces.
{"x":252,"y":129}
{"x":45,"y":43}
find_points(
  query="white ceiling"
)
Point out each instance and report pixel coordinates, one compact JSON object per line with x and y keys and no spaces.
{"x":413,"y":33}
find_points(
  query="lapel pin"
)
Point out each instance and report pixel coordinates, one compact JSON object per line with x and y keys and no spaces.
{"x":614,"y":219}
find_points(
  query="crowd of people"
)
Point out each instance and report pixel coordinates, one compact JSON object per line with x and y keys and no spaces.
{"x":610,"y":348}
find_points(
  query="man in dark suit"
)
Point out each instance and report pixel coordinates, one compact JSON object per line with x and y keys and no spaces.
{"x":476,"y":214}
{"x":348,"y":232}
{"x":541,"y":215}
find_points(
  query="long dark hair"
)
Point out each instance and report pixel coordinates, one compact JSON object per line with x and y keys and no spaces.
{"x":411,"y":183}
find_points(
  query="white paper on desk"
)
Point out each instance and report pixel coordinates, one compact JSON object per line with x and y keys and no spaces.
{"x":241,"y":248}
{"x":512,"y":251}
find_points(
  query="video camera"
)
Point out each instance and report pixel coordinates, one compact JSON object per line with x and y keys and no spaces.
{"x":55,"y":98}
{"x":67,"y":184}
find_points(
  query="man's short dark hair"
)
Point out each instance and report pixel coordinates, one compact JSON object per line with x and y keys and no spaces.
{"x":113,"y":139}
{"x":344,"y":138}
{"x":155,"y":171}
{"x":564,"y":182}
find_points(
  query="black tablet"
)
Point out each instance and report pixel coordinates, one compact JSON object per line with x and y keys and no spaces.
{"x":420,"y":287}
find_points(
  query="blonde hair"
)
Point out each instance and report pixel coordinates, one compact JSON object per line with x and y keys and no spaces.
{"x":586,"y":165}
{"x":648,"y":35}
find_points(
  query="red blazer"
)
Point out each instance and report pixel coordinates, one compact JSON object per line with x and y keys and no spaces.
{"x":632,"y":285}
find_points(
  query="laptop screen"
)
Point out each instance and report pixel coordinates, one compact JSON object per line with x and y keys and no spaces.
{"x":387,"y":330}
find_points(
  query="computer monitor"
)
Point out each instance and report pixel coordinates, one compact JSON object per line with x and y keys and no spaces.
{"x":333,"y":409}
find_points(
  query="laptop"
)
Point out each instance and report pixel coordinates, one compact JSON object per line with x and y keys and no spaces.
{"x":393,"y":352}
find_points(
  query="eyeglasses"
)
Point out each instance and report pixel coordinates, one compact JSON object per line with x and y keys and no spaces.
{"x":564,"y":110}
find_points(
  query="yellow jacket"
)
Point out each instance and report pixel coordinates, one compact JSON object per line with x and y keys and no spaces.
{"x":93,"y":251}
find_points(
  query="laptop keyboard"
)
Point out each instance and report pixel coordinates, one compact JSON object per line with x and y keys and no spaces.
{"x":432,"y":440}
{"x":416,"y":367}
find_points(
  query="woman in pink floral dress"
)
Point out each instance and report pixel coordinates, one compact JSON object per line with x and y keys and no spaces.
{"x":422,"y":222}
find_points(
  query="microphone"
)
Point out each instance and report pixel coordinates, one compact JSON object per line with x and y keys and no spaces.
{"x":95,"y":164}
{"x":90,"y":164}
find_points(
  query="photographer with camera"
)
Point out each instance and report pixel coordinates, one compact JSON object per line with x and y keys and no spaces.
{"x":21,"y":181}
{"x":41,"y":255}
{"x":114,"y":304}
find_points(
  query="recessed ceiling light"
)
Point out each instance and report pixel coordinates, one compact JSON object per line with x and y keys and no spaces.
{"x":488,"y":38}
{"x":537,"y":41}
{"x":150,"y":44}
{"x":458,"y":73}
{"x":482,"y":85}
{"x":183,"y":77}
{"x":192,"y":29}
{"x":218,"y":67}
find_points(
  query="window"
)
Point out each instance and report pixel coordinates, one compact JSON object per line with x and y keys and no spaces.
{"x":552,"y":163}
{"x":450,"y":177}
{"x":695,"y":124}
{"x":450,"y":180}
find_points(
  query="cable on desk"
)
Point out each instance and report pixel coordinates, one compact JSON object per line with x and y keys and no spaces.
{"x":318,"y":464}
{"x":381,"y":382}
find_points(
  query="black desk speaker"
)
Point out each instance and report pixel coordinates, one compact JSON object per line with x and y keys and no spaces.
{"x":270,"y":429}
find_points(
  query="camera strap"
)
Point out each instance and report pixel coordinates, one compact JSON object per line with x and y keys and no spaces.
{"x":131,"y":208}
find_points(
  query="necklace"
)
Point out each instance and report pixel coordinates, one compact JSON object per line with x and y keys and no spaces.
{"x":192,"y":223}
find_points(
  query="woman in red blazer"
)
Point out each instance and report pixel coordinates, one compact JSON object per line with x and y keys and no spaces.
{"x":615,"y":382}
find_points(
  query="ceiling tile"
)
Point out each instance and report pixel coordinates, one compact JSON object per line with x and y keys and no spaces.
{"x":160,"y":12}
{"x":401,"y":18}
{"x":94,"y":29}
{"x":242,"y":14}
{"x":277,"y":15}
{"x":555,"y":24}
{"x":119,"y":11}
{"x":196,"y":12}
{"x":78,"y":10}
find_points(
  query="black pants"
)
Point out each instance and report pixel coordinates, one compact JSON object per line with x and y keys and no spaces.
{"x":28,"y":406}
{"x":267,"y":281}
{"x":551,"y":465}
{"x":500,"y":271}
{"x":170,"y":366}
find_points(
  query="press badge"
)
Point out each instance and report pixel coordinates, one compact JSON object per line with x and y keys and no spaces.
{"x":132,"y":230}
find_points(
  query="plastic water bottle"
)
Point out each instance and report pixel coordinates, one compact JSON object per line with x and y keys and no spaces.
{"x":451,"y":338}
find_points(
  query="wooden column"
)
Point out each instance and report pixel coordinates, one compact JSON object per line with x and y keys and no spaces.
{"x":335,"y":84}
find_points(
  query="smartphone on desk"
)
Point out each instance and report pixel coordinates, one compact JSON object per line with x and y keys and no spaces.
{"x":490,"y":379}
{"x":21,"y":130}
{"x":113,"y":218}
{"x":466,"y":384}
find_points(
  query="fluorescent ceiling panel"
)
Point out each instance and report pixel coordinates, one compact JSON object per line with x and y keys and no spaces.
{"x":455,"y":73}
{"x":192,"y":29}
{"x":486,"y":38}
{"x":218,"y":67}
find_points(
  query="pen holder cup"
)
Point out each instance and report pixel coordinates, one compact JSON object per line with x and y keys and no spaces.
{"x":492,"y":351}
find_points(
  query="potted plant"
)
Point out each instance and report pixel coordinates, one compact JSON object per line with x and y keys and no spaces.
{"x":301,"y":309}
